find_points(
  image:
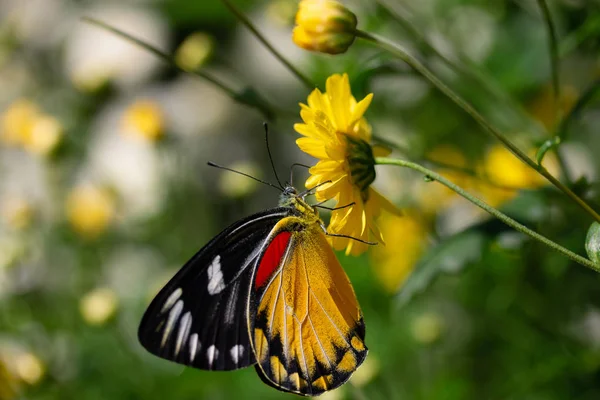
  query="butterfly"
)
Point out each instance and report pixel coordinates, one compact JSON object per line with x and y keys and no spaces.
{"x":267,"y":291}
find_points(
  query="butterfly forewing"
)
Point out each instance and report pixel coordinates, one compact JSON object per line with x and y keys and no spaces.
{"x":199,"y":318}
{"x":306,"y":325}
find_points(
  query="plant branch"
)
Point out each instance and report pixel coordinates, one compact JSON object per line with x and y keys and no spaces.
{"x":459,"y":101}
{"x":244,"y":20}
{"x":493,"y":211}
{"x":553,"y":49}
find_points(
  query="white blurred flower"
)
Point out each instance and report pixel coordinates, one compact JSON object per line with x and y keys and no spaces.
{"x":94,"y":56}
{"x":26,"y":177}
{"x":98,"y":306}
{"x":188,"y":94}
{"x":37,"y":22}
{"x":259,"y":65}
{"x":17,"y":212}
{"x":132,"y":167}
{"x":473,"y":31}
{"x":131,"y":270}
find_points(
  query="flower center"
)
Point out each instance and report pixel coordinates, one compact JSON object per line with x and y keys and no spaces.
{"x":361,"y":161}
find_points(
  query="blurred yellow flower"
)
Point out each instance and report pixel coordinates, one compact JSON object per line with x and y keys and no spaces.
{"x":194,"y":51}
{"x":24,"y":125}
{"x":144,"y":119}
{"x":336,"y":133}
{"x":325,"y":26}
{"x":432,"y":197}
{"x":427,"y":328}
{"x":543,"y":106}
{"x":17,"y":121}
{"x":8,"y":382}
{"x":29,"y":368}
{"x":90,"y":210}
{"x":507,"y":174}
{"x":98,"y":306}
{"x":406,"y":243}
{"x":46,"y":134}
{"x":17,"y":213}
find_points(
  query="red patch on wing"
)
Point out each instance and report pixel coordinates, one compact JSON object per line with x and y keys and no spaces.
{"x":272,"y":257}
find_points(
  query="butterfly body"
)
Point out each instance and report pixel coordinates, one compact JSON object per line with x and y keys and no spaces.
{"x":269,"y":291}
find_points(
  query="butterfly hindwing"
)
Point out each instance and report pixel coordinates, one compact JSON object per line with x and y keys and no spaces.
{"x":199,"y":318}
{"x":306,"y":326}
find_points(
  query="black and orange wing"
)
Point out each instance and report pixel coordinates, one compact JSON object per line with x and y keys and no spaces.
{"x":306,"y":326}
{"x":199,"y":318}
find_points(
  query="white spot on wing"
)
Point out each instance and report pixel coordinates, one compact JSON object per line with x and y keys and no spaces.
{"x":236,"y":352}
{"x":184,"y":330}
{"x":215,"y":277}
{"x":193,"y":346}
{"x":171,"y":300}
{"x":173,"y":316}
{"x":211,"y":354}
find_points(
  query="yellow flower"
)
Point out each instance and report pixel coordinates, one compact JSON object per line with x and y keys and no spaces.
{"x":194,"y":51}
{"x":17,"y":122}
{"x":98,"y":306}
{"x":432,"y":197}
{"x":144,"y":119}
{"x":46,"y":133}
{"x":24,"y":125}
{"x":508,"y":174}
{"x":325,"y":26}
{"x":336,"y":133}
{"x":89,"y":210}
{"x":29,"y":368}
{"x":394,"y":262}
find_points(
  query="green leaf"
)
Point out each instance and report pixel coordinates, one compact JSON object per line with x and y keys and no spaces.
{"x":450,"y":256}
{"x":592,"y":243}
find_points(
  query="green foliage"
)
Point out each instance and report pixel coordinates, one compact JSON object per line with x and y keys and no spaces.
{"x":487,"y":312}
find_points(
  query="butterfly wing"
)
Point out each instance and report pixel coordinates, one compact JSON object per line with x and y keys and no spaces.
{"x":199,"y":317}
{"x":307,"y":330}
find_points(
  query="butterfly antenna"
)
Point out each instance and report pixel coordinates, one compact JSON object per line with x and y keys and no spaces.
{"x":292,"y":171}
{"x":212,"y":164}
{"x":270,"y":155}
{"x":308,"y":192}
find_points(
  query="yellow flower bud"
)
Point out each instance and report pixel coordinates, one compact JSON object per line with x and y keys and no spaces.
{"x":325,"y":26}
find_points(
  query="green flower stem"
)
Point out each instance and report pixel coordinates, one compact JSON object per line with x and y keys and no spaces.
{"x":495,"y":212}
{"x":421,"y":69}
{"x":242,"y":97}
{"x":583,"y":101}
{"x":243,"y":19}
{"x":554,"y":60}
{"x":470,"y":71}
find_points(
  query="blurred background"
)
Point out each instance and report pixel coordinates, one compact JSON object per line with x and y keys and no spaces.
{"x":105,"y":191}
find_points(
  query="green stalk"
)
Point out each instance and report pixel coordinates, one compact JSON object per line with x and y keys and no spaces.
{"x":493,"y":211}
{"x":459,"y":101}
{"x":553,"y":48}
{"x":244,"y":20}
{"x":248,"y":97}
